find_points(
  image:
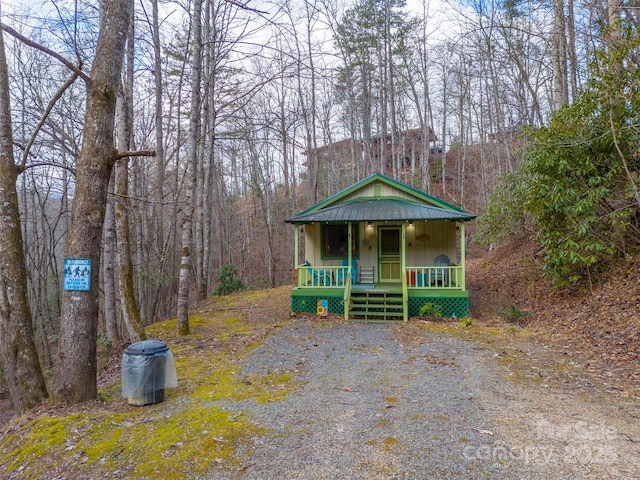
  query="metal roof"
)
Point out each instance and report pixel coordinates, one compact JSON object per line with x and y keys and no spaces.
{"x":379,"y":209}
{"x":378,"y":177}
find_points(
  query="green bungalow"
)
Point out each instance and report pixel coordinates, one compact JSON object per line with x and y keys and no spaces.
{"x":407,"y":249}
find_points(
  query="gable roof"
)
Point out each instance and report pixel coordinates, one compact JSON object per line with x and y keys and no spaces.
{"x":421,"y":206}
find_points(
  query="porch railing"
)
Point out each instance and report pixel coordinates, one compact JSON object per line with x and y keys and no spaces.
{"x":321,"y":276}
{"x":416,"y":277}
{"x":448,"y":277}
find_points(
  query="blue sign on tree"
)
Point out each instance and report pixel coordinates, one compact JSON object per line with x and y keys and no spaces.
{"x":77,"y":274}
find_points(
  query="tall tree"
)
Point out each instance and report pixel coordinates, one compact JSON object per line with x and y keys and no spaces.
{"x":22,"y":371}
{"x":159,"y":131}
{"x":560,"y":55}
{"x":372,"y":40}
{"x":76,"y":370}
{"x":186,"y":252}
{"x":124,"y":116}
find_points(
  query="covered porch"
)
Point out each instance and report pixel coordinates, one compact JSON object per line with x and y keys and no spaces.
{"x":378,"y":279}
{"x":382,"y":248}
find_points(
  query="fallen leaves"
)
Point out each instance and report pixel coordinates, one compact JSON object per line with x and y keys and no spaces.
{"x":601,"y":323}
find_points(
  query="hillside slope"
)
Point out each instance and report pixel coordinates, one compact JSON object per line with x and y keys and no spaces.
{"x":602,"y":322}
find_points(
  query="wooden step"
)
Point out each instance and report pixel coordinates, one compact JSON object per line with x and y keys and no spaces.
{"x":377,"y":305}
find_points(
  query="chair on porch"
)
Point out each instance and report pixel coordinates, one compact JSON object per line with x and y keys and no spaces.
{"x":319,"y":277}
{"x":440,"y":276}
{"x":343,"y":272}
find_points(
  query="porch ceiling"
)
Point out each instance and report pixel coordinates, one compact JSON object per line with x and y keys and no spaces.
{"x":381,"y":209}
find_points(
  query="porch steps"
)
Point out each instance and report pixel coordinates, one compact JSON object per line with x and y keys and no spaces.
{"x":376,"y":305}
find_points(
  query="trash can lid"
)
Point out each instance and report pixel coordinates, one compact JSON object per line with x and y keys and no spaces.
{"x":146,"y":347}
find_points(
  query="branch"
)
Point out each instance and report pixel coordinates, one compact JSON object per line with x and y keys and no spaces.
{"x":136,"y":153}
{"x":142,"y":200}
{"x":37,"y":46}
{"x":244,"y":6}
{"x":48,"y":164}
{"x":624,"y":160}
{"x":45,"y":115}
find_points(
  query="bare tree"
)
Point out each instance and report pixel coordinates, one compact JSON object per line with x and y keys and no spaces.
{"x":20,"y":359}
{"x":109,"y":303}
{"x":124,"y":114}
{"x":188,"y":211}
{"x":559,"y":54}
{"x":76,"y":369}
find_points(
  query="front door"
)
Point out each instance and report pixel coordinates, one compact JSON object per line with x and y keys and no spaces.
{"x":389,"y":254}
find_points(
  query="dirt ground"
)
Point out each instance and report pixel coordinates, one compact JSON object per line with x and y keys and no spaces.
{"x":6,"y":412}
{"x":600,"y":322}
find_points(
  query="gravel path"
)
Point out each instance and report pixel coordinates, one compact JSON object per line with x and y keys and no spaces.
{"x":394,"y":402}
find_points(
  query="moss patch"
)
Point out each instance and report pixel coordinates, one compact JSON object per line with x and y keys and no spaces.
{"x":35,"y":440}
{"x":191,"y":433}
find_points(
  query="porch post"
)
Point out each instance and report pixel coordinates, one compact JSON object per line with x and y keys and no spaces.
{"x":296,"y":252}
{"x":403,"y":273}
{"x":403,"y":252}
{"x":463,"y":248}
{"x":349,"y":245}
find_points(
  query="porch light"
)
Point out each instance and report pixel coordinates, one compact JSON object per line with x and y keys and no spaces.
{"x":411,"y":223}
{"x":369,"y":224}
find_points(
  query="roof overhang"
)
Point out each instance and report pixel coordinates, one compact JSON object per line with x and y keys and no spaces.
{"x":377,"y":210}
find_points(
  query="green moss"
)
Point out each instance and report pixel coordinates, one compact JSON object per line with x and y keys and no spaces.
{"x":41,"y":435}
{"x":162,"y":330}
{"x":167,"y":329}
{"x":223,"y":382}
{"x":161,"y":439}
{"x":391,"y":443}
{"x":233,"y":327}
{"x":187,"y":435}
{"x":174,"y":447}
{"x":271,"y":388}
{"x":106,"y":440}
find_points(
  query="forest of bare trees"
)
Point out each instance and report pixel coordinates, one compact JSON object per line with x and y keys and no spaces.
{"x":170,"y":142}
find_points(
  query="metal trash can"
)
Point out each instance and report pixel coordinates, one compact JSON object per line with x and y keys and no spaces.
{"x":147,"y":369}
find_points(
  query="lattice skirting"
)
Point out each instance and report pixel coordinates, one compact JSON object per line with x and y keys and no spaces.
{"x":309,"y":304}
{"x":451,"y":306}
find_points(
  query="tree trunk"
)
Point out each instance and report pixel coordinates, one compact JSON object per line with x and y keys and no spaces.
{"x":203,"y":184}
{"x":130,"y":310}
{"x":75,"y":376}
{"x":22,"y":371}
{"x":159,"y":129}
{"x":109,"y":279}
{"x":445,"y":145}
{"x":184,"y":286}
{"x":559,"y":53}
{"x":124,"y":114}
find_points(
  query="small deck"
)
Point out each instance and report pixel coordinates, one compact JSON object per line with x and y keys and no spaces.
{"x":453,"y":303}
{"x":441,"y":286}
{"x":377,"y":287}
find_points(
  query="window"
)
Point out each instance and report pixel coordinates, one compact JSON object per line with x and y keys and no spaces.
{"x":335,"y":239}
{"x":390,"y":241}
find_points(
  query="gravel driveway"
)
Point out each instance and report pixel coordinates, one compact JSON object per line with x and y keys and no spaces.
{"x":396,"y":402}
